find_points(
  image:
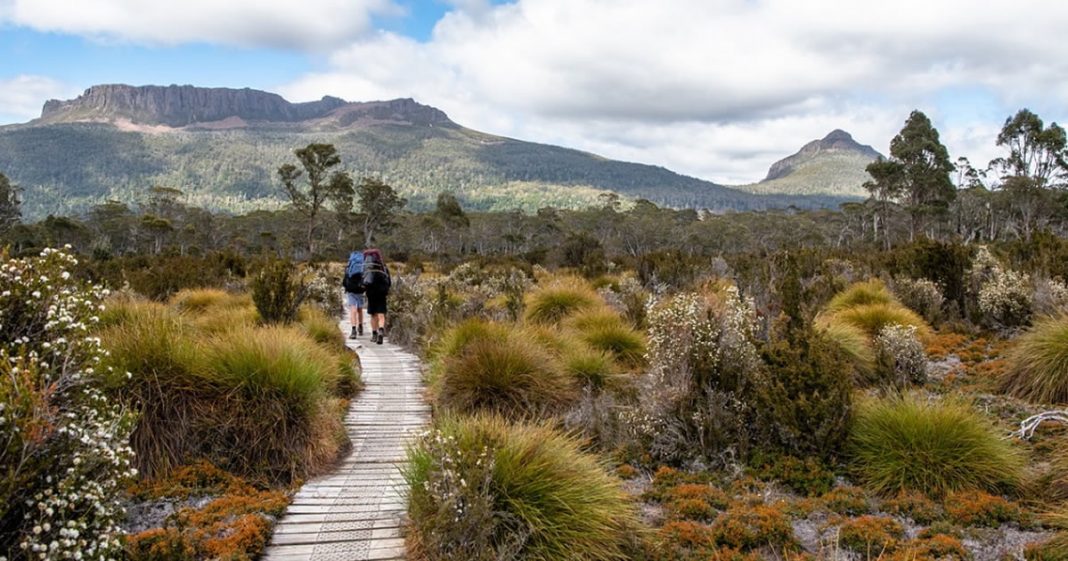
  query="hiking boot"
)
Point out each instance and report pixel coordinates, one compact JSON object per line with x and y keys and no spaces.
{"x":374,"y":336}
{"x":353,"y":334}
{"x":381,"y":336}
{"x":359,"y":330}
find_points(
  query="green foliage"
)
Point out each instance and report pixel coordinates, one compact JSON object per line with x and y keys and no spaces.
{"x":1038,"y":363}
{"x":907,"y":443}
{"x":872,"y":318}
{"x":482,"y":489}
{"x":278,"y":291}
{"x":604,"y":330}
{"x":10,"y":204}
{"x":551,"y":304}
{"x":808,"y":476}
{"x":379,"y":205}
{"x":592,"y":369}
{"x":803,"y":396}
{"x":855,"y":344}
{"x":317,"y":161}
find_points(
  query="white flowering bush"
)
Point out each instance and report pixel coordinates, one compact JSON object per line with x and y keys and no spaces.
{"x":900,"y":358}
{"x":64,"y":453}
{"x":922,"y":296}
{"x":1051,"y":297}
{"x":1004,"y":297}
{"x":701,"y":354}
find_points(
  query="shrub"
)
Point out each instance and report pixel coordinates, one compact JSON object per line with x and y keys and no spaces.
{"x":861,"y":294}
{"x":1038,"y":363}
{"x":483,"y":489}
{"x":1051,"y":297}
{"x":512,"y":376}
{"x":1004,"y":296}
{"x":976,"y":508}
{"x":278,"y":291}
{"x":922,"y":296}
{"x":870,"y":535}
{"x":936,"y":547}
{"x":750,"y":527}
{"x":872,"y":318}
{"x":904,"y":443}
{"x":64,"y":456}
{"x":553,"y":303}
{"x":807,"y":476}
{"x":900,"y":356}
{"x":803,"y":398}
{"x":914,"y":505}
{"x":856,"y":346}
{"x":701,"y":354}
{"x":847,"y":500}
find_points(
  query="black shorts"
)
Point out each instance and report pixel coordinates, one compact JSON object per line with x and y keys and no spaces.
{"x":376,"y":303}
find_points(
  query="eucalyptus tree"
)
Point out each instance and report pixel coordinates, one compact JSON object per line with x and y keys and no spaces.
{"x":323,"y":184}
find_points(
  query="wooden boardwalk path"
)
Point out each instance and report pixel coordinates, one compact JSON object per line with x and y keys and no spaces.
{"x":356,"y":512}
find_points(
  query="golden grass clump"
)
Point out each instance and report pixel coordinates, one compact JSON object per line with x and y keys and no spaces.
{"x":200,"y":300}
{"x":1038,"y":363}
{"x":511,"y":376}
{"x":855,"y":344}
{"x":321,"y":328}
{"x":526,"y":490}
{"x":863,"y":293}
{"x":553,"y":303}
{"x":907,"y":443}
{"x":872,"y":318}
{"x":604,"y":330}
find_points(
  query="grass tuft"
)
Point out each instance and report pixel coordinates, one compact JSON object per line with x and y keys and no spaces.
{"x":604,"y":330}
{"x":554,"y":303}
{"x":856,"y":346}
{"x":526,"y":491}
{"x":1038,"y":363}
{"x":908,"y":444}
{"x":872,"y":318}
{"x":861,"y":294}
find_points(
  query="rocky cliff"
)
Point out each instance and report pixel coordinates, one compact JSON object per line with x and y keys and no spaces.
{"x":186,"y":106}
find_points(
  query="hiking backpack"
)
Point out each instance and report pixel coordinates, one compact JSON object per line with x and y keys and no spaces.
{"x":376,"y":276}
{"x":353,"y":281}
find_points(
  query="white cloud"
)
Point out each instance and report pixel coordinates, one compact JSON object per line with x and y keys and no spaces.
{"x":714,"y":88}
{"x":304,"y":25}
{"x":21,"y":97}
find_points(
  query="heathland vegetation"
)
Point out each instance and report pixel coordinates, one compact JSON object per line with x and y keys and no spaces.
{"x":610,"y":383}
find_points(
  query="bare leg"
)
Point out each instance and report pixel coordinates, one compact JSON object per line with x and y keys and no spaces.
{"x":381,"y":320}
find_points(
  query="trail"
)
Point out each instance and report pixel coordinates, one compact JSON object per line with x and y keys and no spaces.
{"x":356,"y":512}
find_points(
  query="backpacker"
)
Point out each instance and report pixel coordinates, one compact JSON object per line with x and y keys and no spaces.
{"x":375,"y":274}
{"x":353,"y":281}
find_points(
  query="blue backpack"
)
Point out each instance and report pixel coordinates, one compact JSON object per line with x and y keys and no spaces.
{"x":353,"y":281}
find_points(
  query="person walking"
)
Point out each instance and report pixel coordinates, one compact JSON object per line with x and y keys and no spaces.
{"x":354,"y":292}
{"x":376,"y":281}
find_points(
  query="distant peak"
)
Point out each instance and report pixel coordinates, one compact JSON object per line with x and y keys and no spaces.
{"x":838,"y":135}
{"x":836,"y":141}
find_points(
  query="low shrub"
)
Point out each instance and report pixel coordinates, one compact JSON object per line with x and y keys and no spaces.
{"x":807,"y":476}
{"x":911,"y":504}
{"x":1004,"y":296}
{"x":936,"y":547}
{"x":553,"y":303}
{"x":1038,"y":363}
{"x":871,"y":536}
{"x":863,"y":293}
{"x":278,"y":291}
{"x":750,"y":527}
{"x":977,"y":508}
{"x":921,"y":296}
{"x":900,"y":358}
{"x":483,"y":489}
{"x":513,"y":377}
{"x":906,"y":443}
{"x":846,"y":500}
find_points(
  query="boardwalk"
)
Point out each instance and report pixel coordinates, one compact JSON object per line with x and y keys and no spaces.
{"x":356,"y":512}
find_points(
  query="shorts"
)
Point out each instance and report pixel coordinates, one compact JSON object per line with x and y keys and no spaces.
{"x":353,"y":299}
{"x":376,"y":303}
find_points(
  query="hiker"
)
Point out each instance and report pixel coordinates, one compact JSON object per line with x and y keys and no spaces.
{"x":376,"y":282}
{"x":354,"y":292}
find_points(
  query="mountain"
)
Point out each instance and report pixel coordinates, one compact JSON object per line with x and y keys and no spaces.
{"x":221,"y":147}
{"x":831,"y":166}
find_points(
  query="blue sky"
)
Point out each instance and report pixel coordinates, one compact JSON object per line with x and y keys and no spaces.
{"x":713,"y":88}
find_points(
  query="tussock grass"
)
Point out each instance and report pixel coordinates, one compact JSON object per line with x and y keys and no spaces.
{"x":1038,"y":363}
{"x":223,"y":319}
{"x":863,"y":293}
{"x":553,"y":303}
{"x":321,"y":328}
{"x":199,"y":300}
{"x":591,"y":368}
{"x":529,"y":493}
{"x":907,"y":444}
{"x":872,"y":318}
{"x":604,"y":330}
{"x":856,"y":346}
{"x":510,"y":376}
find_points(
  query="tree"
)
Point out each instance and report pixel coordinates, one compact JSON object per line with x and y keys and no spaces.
{"x":1037,"y":160}
{"x":379,"y":205}
{"x":10,"y":204}
{"x":322,"y":186}
{"x":886,"y":186}
{"x":927,"y":188}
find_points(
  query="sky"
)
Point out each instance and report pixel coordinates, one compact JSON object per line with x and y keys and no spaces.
{"x":717,"y":89}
